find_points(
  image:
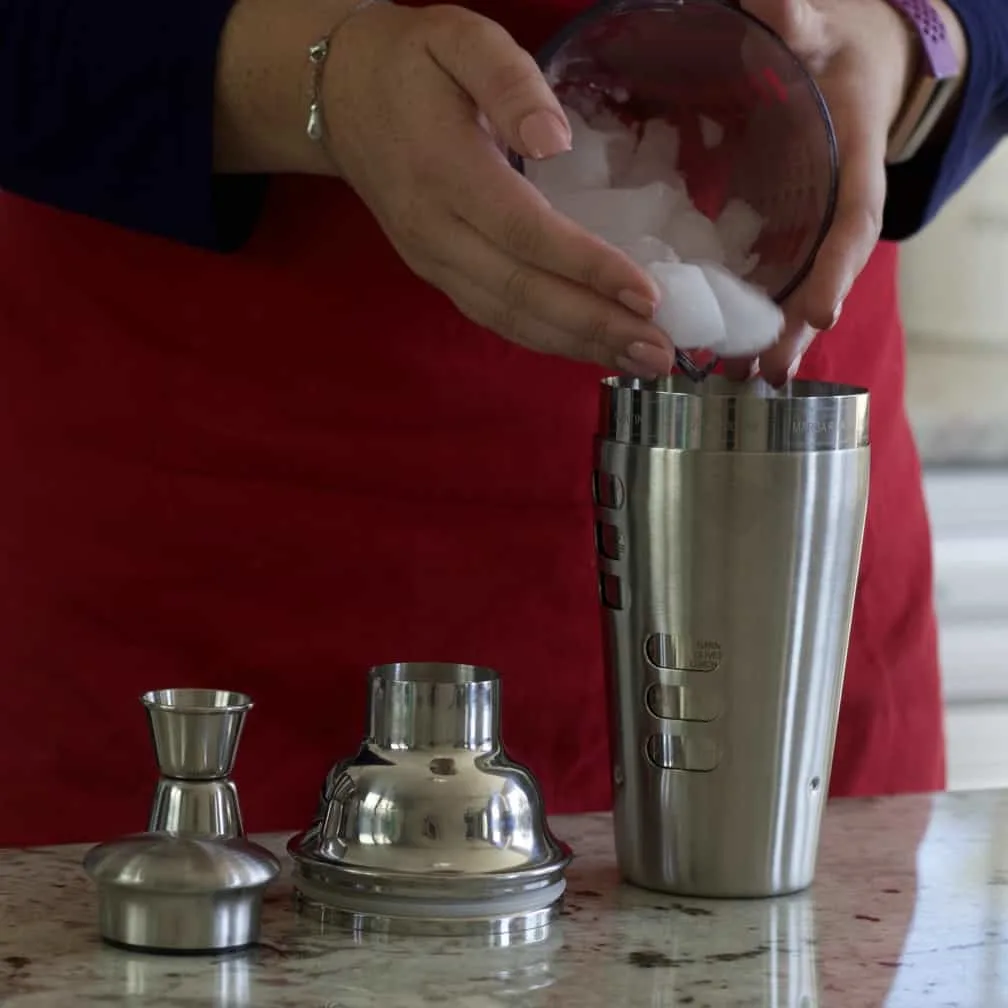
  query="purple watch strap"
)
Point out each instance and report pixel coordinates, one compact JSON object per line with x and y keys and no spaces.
{"x":938,"y":52}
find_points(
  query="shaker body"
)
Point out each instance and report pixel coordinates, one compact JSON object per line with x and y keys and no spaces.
{"x":727,"y":583}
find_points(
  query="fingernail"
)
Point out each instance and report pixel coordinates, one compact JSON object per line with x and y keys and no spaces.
{"x":646,"y":360}
{"x":544,"y":135}
{"x":792,"y":371}
{"x":637,"y":303}
{"x":837,"y":312}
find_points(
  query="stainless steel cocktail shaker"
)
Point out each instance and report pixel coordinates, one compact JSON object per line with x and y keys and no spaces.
{"x":729,"y":522}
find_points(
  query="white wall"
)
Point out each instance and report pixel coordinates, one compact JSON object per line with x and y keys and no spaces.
{"x":969,"y":515}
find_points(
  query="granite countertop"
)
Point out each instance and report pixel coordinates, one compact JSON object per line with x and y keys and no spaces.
{"x":910,"y":910}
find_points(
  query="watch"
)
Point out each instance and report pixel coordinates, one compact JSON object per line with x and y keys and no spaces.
{"x":936,"y":80}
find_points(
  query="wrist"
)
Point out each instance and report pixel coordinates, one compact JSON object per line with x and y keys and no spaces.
{"x":934,"y":71}
{"x":262,"y":95}
{"x":905,"y":53}
{"x":960,"y":45}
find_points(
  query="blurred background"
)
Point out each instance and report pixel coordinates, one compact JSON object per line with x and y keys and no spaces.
{"x":954,"y":288}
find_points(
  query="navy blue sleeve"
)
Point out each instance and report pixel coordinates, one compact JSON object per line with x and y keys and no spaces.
{"x":919,"y":188}
{"x":106,"y":109}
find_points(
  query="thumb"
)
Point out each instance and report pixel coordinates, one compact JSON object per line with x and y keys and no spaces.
{"x":504,"y":82}
{"x":797,"y":22}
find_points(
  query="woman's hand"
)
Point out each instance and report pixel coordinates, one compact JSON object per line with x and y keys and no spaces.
{"x":862,"y":54}
{"x":414,"y":101}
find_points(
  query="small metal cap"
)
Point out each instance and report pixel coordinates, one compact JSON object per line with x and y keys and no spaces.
{"x":180,"y":894}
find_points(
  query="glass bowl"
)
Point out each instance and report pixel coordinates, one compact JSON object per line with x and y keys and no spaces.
{"x":752,"y":124}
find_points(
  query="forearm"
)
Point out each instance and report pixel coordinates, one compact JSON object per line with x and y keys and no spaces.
{"x":122,"y":110}
{"x":262,"y":85}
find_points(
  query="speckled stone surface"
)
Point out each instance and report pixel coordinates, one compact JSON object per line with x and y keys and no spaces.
{"x":910,"y":910}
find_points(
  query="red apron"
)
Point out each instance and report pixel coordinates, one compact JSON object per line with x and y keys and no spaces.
{"x":271,"y":470}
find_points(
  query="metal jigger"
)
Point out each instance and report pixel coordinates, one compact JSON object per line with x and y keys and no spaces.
{"x":195,"y":733}
{"x":193,"y":882}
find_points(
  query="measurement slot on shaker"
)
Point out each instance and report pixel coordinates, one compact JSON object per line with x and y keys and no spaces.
{"x":608,"y":490}
{"x":682,"y":703}
{"x":611,"y":591}
{"x":681,"y":752}
{"x":682,"y":654}
{"x":609,"y":541}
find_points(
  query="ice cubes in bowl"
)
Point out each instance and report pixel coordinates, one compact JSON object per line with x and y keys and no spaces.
{"x":703,"y":149}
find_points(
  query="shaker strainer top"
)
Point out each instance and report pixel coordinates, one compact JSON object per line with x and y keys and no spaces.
{"x":431,"y":828}
{"x":697,"y":62}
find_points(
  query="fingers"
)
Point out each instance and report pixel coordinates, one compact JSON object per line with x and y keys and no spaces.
{"x":861,"y":137}
{"x":798,"y":22}
{"x":739,"y":368}
{"x":510,"y":92}
{"x":527,"y":305}
{"x":504,"y":82}
{"x":861,"y":133}
{"x":857,"y":223}
{"x":513,"y":215}
{"x":778,"y":364}
{"x":641,"y":361}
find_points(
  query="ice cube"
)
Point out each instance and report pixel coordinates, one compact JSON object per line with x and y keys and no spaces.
{"x":647,"y":250}
{"x":711,"y":132}
{"x":606,"y":121}
{"x":583,"y":102}
{"x":620,"y":216}
{"x":739,"y":225}
{"x":752,"y":322}
{"x":655,"y":158}
{"x":689,"y":312}
{"x":621,"y":141}
{"x":693,"y":236}
{"x":660,"y":140}
{"x":584,"y":166}
{"x":559,"y":174}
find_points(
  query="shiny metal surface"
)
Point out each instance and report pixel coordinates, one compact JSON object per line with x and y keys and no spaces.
{"x":431,"y":828}
{"x":719,"y":415}
{"x":196,"y":808}
{"x":196,"y":731}
{"x":167,"y":893}
{"x":494,"y":929}
{"x":727,"y":576}
{"x":689,"y":367}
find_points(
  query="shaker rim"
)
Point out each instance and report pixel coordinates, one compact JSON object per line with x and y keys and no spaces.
{"x":434,"y":673}
{"x":718,"y":415}
{"x":718,"y":387}
{"x":197,"y":701}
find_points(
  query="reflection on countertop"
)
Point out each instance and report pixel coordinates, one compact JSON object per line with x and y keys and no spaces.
{"x":957,"y":398}
{"x":910,"y":910}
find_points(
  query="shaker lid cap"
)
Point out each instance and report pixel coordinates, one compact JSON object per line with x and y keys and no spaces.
{"x":161,"y":862}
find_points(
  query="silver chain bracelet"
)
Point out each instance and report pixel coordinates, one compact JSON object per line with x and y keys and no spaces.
{"x":317,"y":56}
